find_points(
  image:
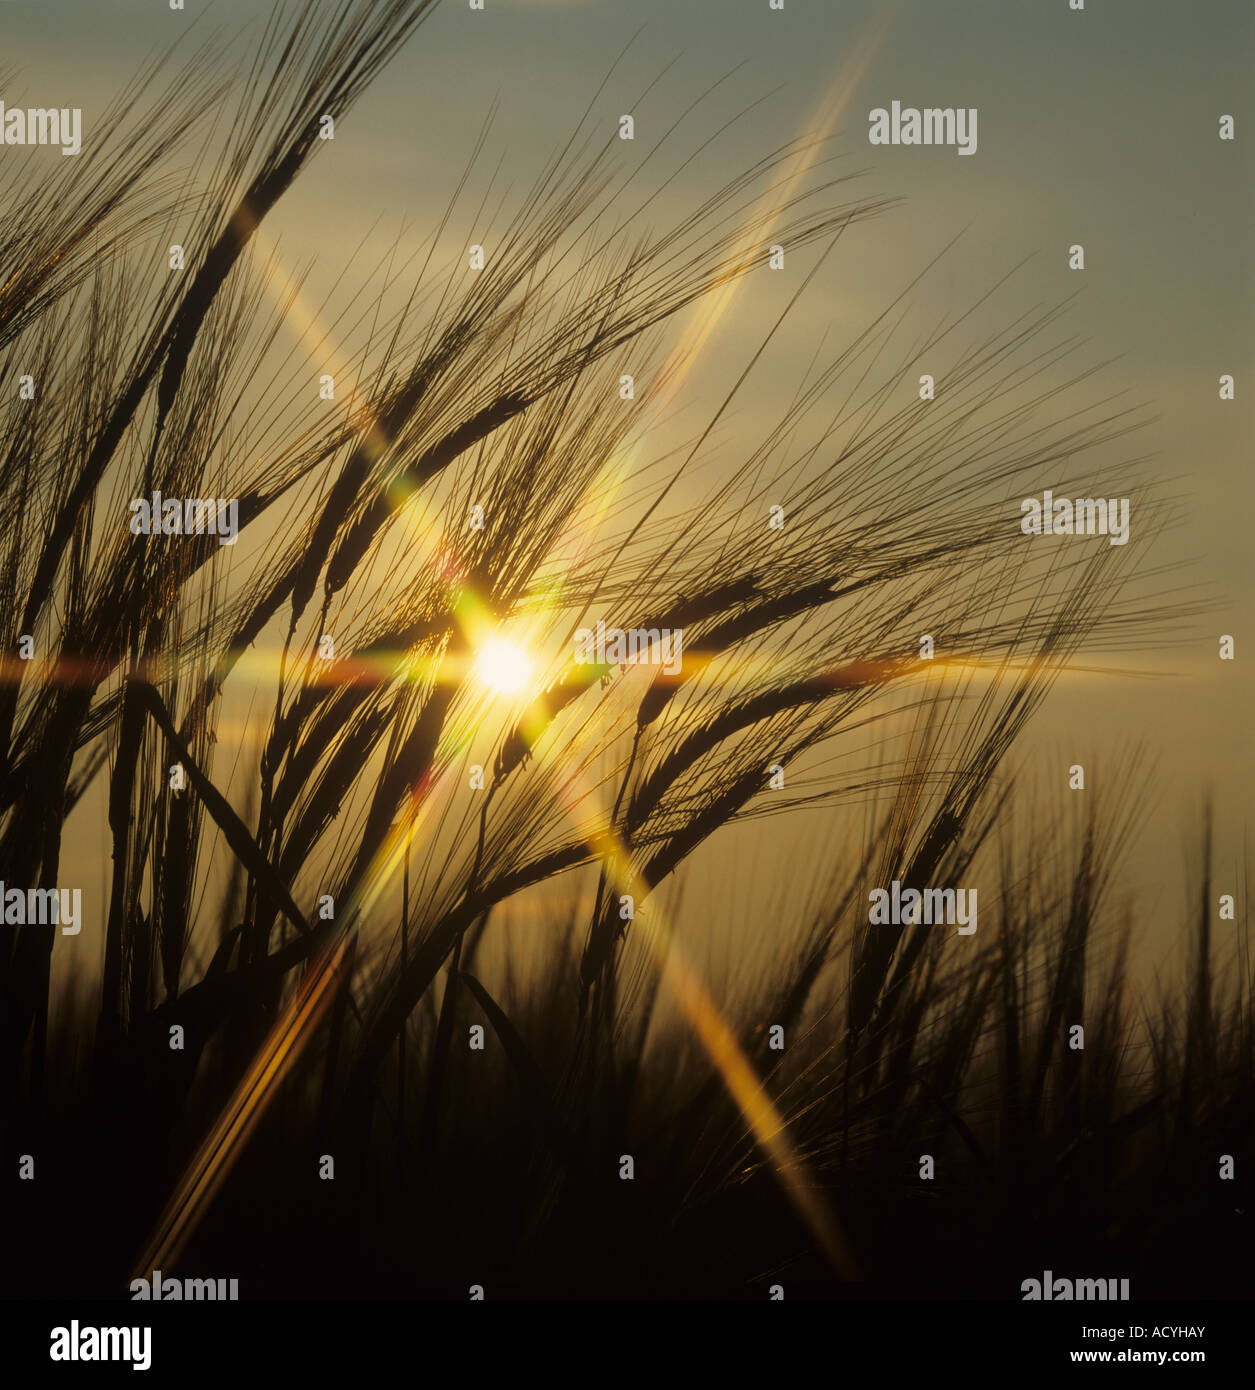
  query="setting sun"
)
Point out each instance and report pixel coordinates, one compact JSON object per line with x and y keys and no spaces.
{"x":503,"y":667}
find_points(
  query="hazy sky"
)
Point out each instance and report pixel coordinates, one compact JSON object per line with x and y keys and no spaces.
{"x":1097,"y":127}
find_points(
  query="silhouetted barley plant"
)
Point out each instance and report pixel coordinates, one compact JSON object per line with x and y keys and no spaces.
{"x":498,"y":389}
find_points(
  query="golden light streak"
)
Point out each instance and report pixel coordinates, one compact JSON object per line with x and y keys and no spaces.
{"x":848,"y":76}
{"x":211,"y":1163}
{"x":765,"y":1122}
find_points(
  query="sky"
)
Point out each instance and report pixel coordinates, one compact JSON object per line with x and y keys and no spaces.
{"x":1097,"y":127}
